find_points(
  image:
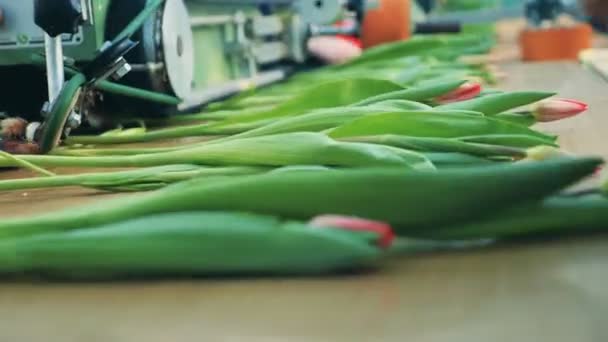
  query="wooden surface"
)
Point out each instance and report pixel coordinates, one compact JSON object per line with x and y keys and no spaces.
{"x":546,"y":291}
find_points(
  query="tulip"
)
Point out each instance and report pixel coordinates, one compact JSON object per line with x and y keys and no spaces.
{"x":383,"y":230}
{"x":558,"y":109}
{"x":467,"y":91}
{"x":333,"y":50}
{"x":598,"y":172}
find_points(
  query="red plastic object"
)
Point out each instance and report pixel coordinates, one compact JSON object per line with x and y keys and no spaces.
{"x":563,"y":43}
{"x":390,"y":22}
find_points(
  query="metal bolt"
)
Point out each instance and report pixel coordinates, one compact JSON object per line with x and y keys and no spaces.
{"x":46,"y":109}
{"x":23,"y":38}
{"x":240,"y":18}
{"x":74,"y":120}
{"x":31,"y":131}
{"x":69,"y":61}
{"x":124,"y":69}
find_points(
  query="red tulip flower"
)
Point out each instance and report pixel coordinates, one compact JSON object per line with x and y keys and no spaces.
{"x":558,"y":109}
{"x":465,"y":92}
{"x":383,"y":230}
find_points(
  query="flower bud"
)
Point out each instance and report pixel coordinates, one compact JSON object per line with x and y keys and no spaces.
{"x":383,"y":230}
{"x":465,"y":92}
{"x":558,"y":109}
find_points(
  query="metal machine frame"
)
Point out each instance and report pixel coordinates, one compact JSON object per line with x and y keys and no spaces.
{"x":250,"y":48}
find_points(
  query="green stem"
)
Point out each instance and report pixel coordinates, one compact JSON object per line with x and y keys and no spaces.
{"x":122,"y":180}
{"x":25,"y":164}
{"x":513,"y":140}
{"x":212,"y":115}
{"x":88,"y":152}
{"x":441,"y":145}
{"x":162,"y":134}
{"x":557,"y":215}
{"x":61,"y":161}
{"x":417,"y":93}
{"x":443,"y":160}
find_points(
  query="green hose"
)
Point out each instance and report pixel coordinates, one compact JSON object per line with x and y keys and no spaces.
{"x":138,"y":21}
{"x":119,"y":89}
{"x":65,"y":101}
{"x":59,"y":113}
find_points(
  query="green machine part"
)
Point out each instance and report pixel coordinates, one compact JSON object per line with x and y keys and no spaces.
{"x":20,"y":37}
{"x":24,"y":88}
{"x":219,"y":36}
{"x":211,"y":42}
{"x":188,"y":53}
{"x":231,"y":47}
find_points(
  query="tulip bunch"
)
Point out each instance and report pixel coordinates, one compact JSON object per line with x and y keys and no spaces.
{"x":317,"y":174}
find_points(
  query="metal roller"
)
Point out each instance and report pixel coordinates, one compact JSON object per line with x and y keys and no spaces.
{"x":319,"y":11}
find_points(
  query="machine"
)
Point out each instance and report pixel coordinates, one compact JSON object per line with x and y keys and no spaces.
{"x":68,"y":63}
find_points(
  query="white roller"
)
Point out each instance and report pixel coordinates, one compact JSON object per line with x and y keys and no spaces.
{"x":178,"y":47}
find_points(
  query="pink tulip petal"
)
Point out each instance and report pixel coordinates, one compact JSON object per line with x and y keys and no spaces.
{"x":576,"y":102}
{"x":599,"y":171}
{"x":333,"y":50}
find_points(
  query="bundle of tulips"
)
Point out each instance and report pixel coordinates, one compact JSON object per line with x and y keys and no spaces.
{"x":322,"y":173}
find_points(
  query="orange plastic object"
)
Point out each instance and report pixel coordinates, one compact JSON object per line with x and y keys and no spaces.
{"x":563,"y":43}
{"x":390,"y":22}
